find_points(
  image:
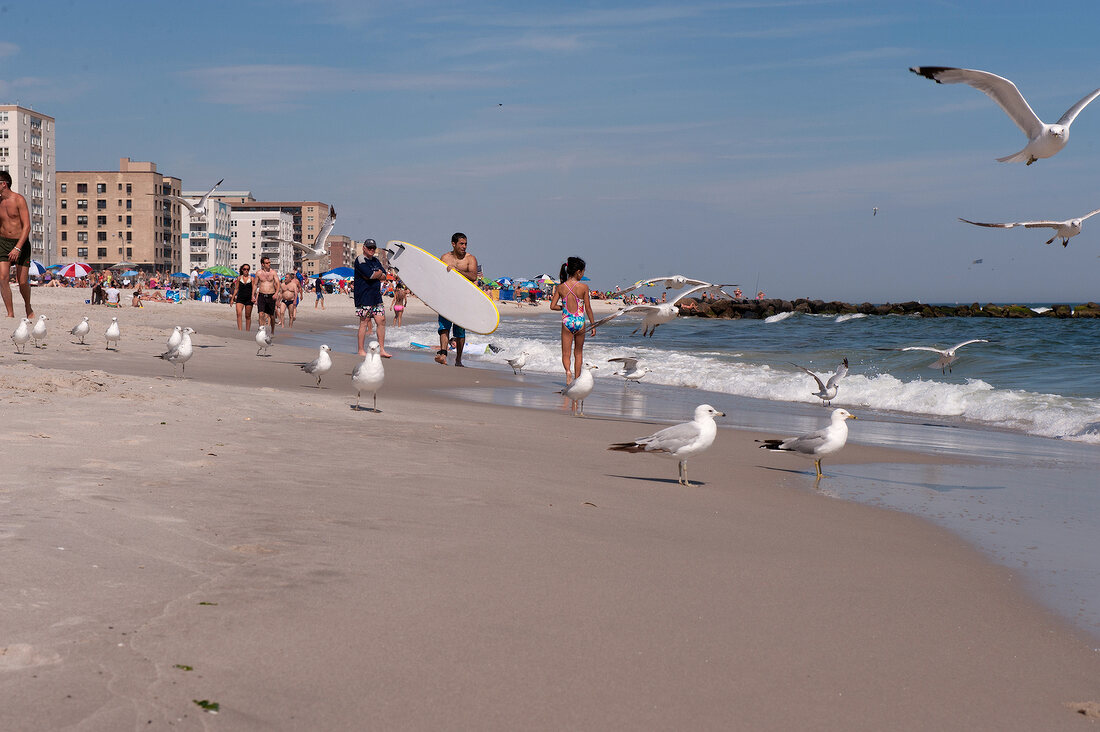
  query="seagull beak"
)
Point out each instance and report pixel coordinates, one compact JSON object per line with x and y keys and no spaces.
{"x":720,"y":414}
{"x":852,"y":416}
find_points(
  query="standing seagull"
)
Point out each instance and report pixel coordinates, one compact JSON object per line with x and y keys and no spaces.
{"x":38,"y":332}
{"x":655,"y":315}
{"x":113,"y":334}
{"x":198,"y":210}
{"x":817,"y":444}
{"x":320,"y":365}
{"x":181,"y":353}
{"x":1065,"y":230}
{"x":827,"y":392}
{"x":1043,"y":140}
{"x":263,"y":340}
{"x":631,"y":371}
{"x":174,"y":338}
{"x":947,"y":355}
{"x":368,"y":376}
{"x":581,"y":387}
{"x":518,"y":362}
{"x":21,"y":335}
{"x":680,"y":441}
{"x":81,"y":329}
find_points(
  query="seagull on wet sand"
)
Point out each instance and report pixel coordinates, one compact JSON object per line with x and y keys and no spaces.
{"x":81,"y":329}
{"x":1043,"y":140}
{"x":369,"y":375}
{"x":947,"y":355}
{"x":263,"y":340}
{"x":827,"y":391}
{"x":518,"y":362}
{"x":113,"y":334}
{"x":320,"y":365}
{"x":181,"y":353}
{"x":1064,"y":230}
{"x":665,"y":312}
{"x":580,"y":388}
{"x":21,"y":335}
{"x":679,"y":441}
{"x":817,"y":444}
{"x":38,"y":332}
{"x":631,"y":371}
{"x":197,"y":210}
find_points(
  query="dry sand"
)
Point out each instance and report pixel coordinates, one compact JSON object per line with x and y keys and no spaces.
{"x":243,"y":538}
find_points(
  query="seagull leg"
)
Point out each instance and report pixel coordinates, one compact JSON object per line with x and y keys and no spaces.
{"x":357,"y":400}
{"x":817,"y":465}
{"x":1031,"y":160}
{"x":376,"y":402}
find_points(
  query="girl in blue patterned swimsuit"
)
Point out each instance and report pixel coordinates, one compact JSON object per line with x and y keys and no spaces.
{"x":571,"y":297}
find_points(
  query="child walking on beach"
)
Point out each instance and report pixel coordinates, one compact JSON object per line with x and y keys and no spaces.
{"x":572,"y":298}
{"x":400,"y":295}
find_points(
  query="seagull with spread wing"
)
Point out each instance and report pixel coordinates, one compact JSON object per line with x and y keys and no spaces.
{"x":654,"y":315}
{"x":947,"y":355}
{"x":1064,"y":230}
{"x":672,"y":282}
{"x":631,"y":370}
{"x":827,"y":391}
{"x":1043,"y":140}
{"x":197,"y":210}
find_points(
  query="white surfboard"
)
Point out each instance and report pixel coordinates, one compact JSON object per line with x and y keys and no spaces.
{"x":448,"y":293}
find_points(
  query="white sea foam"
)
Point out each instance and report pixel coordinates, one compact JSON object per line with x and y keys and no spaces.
{"x":850,"y":316}
{"x":778,"y":317}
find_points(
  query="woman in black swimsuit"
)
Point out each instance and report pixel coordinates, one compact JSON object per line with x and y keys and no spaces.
{"x":242,"y":297}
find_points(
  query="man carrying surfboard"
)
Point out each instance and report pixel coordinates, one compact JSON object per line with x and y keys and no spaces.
{"x":466,"y":265}
{"x":369,"y":273}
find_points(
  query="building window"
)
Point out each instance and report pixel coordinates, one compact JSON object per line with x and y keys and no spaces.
{"x":81,"y":220}
{"x":129,"y":252}
{"x":64,"y":187}
{"x":129,"y":235}
{"x":64,"y":203}
{"x":129,"y":220}
{"x":64,"y":251}
{"x":129,"y":188}
{"x":100,"y":220}
{"x":101,"y":252}
{"x":128,"y":202}
{"x":101,"y":204}
{"x":64,"y":237}
{"x":82,"y":203}
{"x":64,"y":220}
{"x":82,"y":236}
{"x":120,"y":251}
{"x":100,"y":187}
{"x":81,"y":187}
{"x":82,"y":252}
{"x":101,"y":236}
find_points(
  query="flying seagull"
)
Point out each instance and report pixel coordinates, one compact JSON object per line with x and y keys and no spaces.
{"x":631,"y":371}
{"x":581,"y":387}
{"x":827,"y":391}
{"x":196,"y":209}
{"x":1043,"y":140}
{"x":81,"y":329}
{"x":679,"y":441}
{"x":655,"y":315}
{"x":817,"y":444}
{"x":671,"y":282}
{"x":1065,"y":230}
{"x":947,"y":355}
{"x":319,"y":365}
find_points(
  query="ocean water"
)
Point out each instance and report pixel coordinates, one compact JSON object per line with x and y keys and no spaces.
{"x":1024,"y":408}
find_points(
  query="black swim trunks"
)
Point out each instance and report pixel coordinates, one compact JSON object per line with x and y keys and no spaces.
{"x":6,"y":245}
{"x":265,"y":303}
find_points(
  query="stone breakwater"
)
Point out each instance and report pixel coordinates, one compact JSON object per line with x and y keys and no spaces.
{"x":759,"y":309}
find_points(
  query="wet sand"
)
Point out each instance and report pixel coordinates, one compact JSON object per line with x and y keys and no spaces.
{"x":242,"y":537}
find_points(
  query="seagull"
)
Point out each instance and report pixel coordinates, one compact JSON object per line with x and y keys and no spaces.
{"x":827,"y":391}
{"x":319,"y":365}
{"x":654,"y":315}
{"x":947,"y":356}
{"x":174,"y":338}
{"x":197,"y":210}
{"x":1065,"y":230}
{"x":319,"y":243}
{"x":672,"y":282}
{"x":263,"y":340}
{"x":21,"y":335}
{"x":181,"y":353}
{"x":680,"y":441}
{"x":580,"y":388}
{"x":1043,"y":140}
{"x":81,"y":329}
{"x":113,"y":334}
{"x":518,"y":362}
{"x":874,"y":211}
{"x":38,"y":332}
{"x":631,"y":371}
{"x":368,"y":376}
{"x":817,"y":444}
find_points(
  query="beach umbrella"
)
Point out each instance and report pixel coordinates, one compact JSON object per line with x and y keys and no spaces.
{"x":55,"y":266}
{"x":222,"y":270}
{"x":36,"y":268}
{"x":130,"y":273}
{"x":331,"y":276}
{"x":122,"y":265}
{"x":75,"y":269}
{"x":175,"y":275}
{"x":206,"y":275}
{"x":505,"y":281}
{"x":341,"y":271}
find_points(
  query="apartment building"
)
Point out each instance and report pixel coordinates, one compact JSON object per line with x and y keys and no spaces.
{"x":27,"y":152}
{"x":306,"y":215}
{"x":206,"y":240}
{"x":105,"y":217}
{"x":340,"y":251}
{"x":254,"y":234}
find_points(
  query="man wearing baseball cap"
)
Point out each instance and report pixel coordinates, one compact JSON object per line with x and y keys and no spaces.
{"x":369,"y":273}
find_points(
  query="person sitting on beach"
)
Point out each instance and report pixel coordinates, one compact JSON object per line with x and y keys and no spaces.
{"x":97,"y":294}
{"x":572,"y":298}
{"x":113,"y":296}
{"x":137,"y":298}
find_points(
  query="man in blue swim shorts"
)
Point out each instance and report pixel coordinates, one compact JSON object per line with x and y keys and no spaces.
{"x":466,"y":265}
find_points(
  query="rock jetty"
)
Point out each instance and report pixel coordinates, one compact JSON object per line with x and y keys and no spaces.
{"x":759,"y":309}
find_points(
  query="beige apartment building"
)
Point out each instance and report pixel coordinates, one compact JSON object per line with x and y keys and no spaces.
{"x":105,"y":217}
{"x":27,"y":153}
{"x":340,"y":251}
{"x":306,"y":215}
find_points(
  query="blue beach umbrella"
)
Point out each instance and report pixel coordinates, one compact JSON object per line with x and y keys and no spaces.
{"x":179,"y":274}
{"x":129,"y":273}
{"x":36,"y":268}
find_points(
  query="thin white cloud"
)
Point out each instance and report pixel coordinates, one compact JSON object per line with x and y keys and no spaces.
{"x":8,"y":49}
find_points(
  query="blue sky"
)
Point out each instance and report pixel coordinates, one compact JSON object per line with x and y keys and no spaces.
{"x":739,"y":142}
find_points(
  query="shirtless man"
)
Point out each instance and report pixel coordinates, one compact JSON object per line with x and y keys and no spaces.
{"x":288,"y":298}
{"x":267,"y":286}
{"x":466,"y":265}
{"x":15,"y":247}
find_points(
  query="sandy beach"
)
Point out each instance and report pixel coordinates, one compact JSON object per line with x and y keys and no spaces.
{"x":241,"y":537}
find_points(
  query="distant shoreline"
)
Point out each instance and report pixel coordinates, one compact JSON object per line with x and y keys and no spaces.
{"x":760,"y":309}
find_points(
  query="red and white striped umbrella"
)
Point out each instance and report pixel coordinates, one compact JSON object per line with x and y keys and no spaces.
{"x":76,"y":269}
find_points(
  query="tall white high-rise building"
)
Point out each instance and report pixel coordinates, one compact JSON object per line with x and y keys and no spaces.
{"x":206,"y":240}
{"x":258,"y":233}
{"x":27,"y":152}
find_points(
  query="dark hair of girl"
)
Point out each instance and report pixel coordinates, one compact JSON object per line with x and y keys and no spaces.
{"x":570,"y":267}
